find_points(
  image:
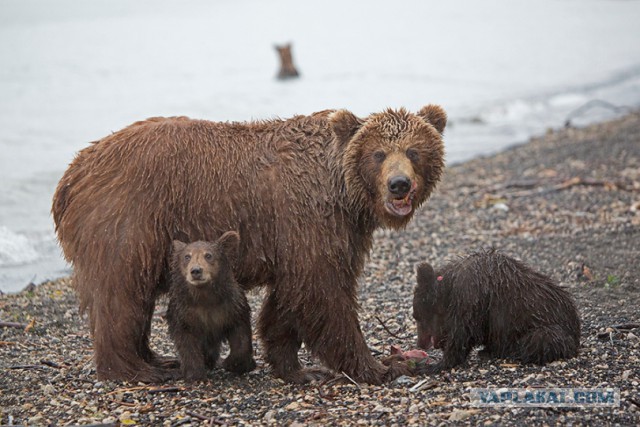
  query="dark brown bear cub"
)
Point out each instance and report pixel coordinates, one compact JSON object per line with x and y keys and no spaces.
{"x":207,"y":306}
{"x":490,"y":299}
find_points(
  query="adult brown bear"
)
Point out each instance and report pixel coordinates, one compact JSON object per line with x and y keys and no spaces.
{"x":305,"y":195}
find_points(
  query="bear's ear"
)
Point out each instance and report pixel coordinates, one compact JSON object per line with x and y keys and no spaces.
{"x":426,"y":276}
{"x":344,"y":125}
{"x":435,"y":115}
{"x":178,"y":246}
{"x":229,"y":243}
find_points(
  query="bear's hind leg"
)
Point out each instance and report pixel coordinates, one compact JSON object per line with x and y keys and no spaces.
{"x":150,"y":356}
{"x":120,"y":309}
{"x":117,"y":342}
{"x":546,"y":344}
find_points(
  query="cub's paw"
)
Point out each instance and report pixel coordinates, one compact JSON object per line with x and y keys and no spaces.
{"x":239,"y":365}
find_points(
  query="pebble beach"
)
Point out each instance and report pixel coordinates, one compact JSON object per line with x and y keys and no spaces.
{"x":567,"y":203}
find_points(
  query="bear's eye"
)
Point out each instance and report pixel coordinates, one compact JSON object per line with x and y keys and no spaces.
{"x":208,"y":256}
{"x":413,"y":155}
{"x":379,"y":156}
{"x":187,"y":257}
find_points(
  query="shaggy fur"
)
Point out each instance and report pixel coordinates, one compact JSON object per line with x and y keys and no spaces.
{"x":305,"y":194}
{"x":493,"y":300}
{"x":207,"y":306}
{"x":287,"y":69}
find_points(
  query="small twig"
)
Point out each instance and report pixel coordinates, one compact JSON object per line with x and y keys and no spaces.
{"x":50,"y":363}
{"x":572,"y":182}
{"x":351,"y":379}
{"x":395,"y":335}
{"x":124,"y":390}
{"x":611,"y":338}
{"x":634,"y":401}
{"x":25,"y":367}
{"x":7,"y":343}
{"x":30,"y":326}
{"x":617,"y":328}
{"x":165,"y":390}
{"x":148,"y":389}
{"x":425,"y":384}
{"x":326,"y":383}
{"x":626,"y":326}
{"x":13,"y":325}
{"x":128,"y":404}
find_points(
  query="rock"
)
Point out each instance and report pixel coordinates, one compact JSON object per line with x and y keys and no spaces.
{"x":269,"y":415}
{"x":403,"y":380}
{"x":293,"y":406}
{"x":462,"y":414}
{"x":49,"y":390}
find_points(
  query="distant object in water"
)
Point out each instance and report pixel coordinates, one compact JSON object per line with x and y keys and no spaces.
{"x":287,"y":69}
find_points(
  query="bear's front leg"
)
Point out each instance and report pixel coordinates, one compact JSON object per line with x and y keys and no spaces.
{"x":338,"y":341}
{"x":280,"y":338}
{"x":322,"y":312}
{"x":192,"y":357}
{"x":240,"y":358}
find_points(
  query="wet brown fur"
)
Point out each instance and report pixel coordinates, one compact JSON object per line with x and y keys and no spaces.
{"x":207,"y":306}
{"x":491,"y":299}
{"x":305,"y":194}
{"x":287,"y":69}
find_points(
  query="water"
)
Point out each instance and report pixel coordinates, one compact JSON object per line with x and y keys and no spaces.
{"x":73,"y":71}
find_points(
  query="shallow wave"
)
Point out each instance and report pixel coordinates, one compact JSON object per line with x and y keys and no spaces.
{"x":15,"y":249}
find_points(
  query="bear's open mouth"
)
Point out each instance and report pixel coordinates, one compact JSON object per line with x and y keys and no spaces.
{"x":402,"y":206}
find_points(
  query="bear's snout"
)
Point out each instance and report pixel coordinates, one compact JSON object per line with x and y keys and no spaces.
{"x":399,"y":185}
{"x":196,"y":273}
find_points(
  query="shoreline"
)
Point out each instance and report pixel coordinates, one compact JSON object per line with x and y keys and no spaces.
{"x":567,"y":203}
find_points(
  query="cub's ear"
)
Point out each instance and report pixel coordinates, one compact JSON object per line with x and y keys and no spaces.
{"x":426,"y":275}
{"x":178,"y":246}
{"x":435,"y":115}
{"x":344,"y":125}
{"x":229,"y":243}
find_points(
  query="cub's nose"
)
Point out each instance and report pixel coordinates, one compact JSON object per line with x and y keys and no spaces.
{"x":196,"y":273}
{"x":399,"y":185}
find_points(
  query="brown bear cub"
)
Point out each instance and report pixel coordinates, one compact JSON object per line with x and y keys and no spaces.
{"x":207,"y":306}
{"x":491,"y":299}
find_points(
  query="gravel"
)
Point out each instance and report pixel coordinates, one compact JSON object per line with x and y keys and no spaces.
{"x":567,"y":203}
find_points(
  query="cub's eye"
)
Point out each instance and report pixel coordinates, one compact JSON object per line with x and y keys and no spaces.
{"x":208,"y":256}
{"x":413,"y":155}
{"x":379,"y":156}
{"x":187,"y":257}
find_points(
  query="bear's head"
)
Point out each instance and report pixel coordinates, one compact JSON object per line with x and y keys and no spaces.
{"x":429,"y":308}
{"x":204,"y":264}
{"x":391,"y":160}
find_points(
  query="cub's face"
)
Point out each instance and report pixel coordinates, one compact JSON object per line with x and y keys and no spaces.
{"x":428,"y":309}
{"x":198,"y":262}
{"x":202,"y":263}
{"x":392,"y":160}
